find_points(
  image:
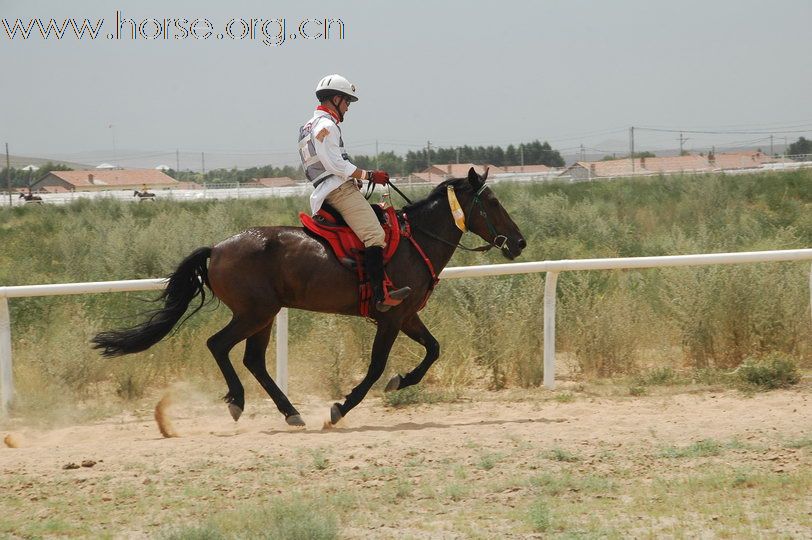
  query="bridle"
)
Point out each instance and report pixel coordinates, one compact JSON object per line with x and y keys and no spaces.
{"x":499,"y":240}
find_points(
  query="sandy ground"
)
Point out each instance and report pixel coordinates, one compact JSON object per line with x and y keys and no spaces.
{"x":515,"y":428}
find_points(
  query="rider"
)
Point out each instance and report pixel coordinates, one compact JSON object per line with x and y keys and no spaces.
{"x":338,"y":182}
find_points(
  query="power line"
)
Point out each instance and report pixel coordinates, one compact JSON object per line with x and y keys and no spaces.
{"x":726,"y":132}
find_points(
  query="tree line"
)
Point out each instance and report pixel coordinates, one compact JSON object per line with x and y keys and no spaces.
{"x":533,"y":153}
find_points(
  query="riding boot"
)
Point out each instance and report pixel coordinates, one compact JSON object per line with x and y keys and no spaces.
{"x":373,"y":263}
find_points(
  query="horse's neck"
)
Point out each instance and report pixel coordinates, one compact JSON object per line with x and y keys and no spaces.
{"x":432,"y":219}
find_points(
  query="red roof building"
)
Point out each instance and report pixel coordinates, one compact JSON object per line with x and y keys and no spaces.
{"x":107,"y":179}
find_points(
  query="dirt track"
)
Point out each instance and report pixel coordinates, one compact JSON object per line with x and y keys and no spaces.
{"x":600,"y":466}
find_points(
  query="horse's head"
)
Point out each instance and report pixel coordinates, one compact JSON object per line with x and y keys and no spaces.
{"x":485,"y":216}
{"x":22,"y":195}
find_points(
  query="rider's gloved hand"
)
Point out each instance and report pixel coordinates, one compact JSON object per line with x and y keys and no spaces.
{"x":378,"y":177}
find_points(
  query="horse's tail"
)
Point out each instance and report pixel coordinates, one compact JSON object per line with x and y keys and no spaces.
{"x":188,"y":281}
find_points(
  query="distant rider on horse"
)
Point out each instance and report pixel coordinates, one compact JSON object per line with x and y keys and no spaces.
{"x":338,"y":182}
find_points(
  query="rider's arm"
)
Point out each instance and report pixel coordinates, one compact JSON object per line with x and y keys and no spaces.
{"x":326,"y":142}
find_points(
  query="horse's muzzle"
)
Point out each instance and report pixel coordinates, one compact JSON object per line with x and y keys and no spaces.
{"x":504,"y":245}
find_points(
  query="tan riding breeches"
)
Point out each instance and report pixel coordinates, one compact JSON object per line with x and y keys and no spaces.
{"x":358,"y":214}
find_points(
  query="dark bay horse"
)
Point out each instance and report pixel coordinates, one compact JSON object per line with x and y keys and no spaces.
{"x":261,"y":270}
{"x":30,"y":198}
{"x":143,"y":195}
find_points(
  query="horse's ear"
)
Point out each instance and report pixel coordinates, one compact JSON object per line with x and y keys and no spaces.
{"x":474,"y":179}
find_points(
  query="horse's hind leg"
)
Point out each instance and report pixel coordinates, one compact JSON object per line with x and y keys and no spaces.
{"x":415,"y":329}
{"x":220,"y":344}
{"x":254,"y":360}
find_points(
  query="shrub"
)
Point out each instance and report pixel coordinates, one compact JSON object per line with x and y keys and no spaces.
{"x":773,"y":371}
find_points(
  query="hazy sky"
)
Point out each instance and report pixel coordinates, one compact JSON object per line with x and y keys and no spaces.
{"x":454,"y":72}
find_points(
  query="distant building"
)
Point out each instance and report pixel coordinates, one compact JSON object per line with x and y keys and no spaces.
{"x":741,"y":160}
{"x":187,"y":185}
{"x":105,"y":180}
{"x":432,"y":178}
{"x":526,"y":169}
{"x":457,"y":170}
{"x":585,"y":170}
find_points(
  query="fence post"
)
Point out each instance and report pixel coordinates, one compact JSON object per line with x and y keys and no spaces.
{"x":282,"y":350}
{"x":550,"y":281}
{"x":6,"y":382}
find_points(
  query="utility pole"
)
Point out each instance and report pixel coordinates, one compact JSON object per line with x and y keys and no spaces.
{"x":682,"y":141}
{"x":202,"y":162}
{"x":428,"y":157}
{"x":177,"y":161}
{"x":521,"y":156}
{"x":377,"y":166}
{"x":583,"y":155}
{"x":8,"y":175}
{"x":113,"y":130}
{"x":631,"y":146}
{"x":458,"y":155}
{"x":772,"y":152}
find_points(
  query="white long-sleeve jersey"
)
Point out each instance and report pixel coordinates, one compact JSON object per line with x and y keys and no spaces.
{"x":324,"y":160}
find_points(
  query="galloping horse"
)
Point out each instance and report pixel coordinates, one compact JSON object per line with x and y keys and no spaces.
{"x":261,"y":270}
{"x":143,"y":195}
{"x":30,"y":198}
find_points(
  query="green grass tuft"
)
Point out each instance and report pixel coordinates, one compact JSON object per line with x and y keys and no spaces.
{"x":539,"y":516}
{"x":564,"y":397}
{"x":804,"y":442}
{"x":637,"y":390}
{"x":559,"y":454}
{"x":703,"y":448}
{"x":293,"y":518}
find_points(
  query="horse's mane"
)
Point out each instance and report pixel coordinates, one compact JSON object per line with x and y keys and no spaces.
{"x":435,"y":195}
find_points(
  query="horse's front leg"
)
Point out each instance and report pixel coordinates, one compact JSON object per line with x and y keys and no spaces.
{"x":416,"y":330}
{"x":384,"y":338}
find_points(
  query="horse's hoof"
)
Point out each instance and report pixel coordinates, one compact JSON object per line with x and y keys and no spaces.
{"x":335,"y":414}
{"x":393,"y":384}
{"x":235,"y":410}
{"x":295,"y":420}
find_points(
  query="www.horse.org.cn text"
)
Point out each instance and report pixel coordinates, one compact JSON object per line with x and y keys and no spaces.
{"x":272,"y":32}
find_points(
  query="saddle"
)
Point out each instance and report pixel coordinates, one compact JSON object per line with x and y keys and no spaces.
{"x":348,"y":248}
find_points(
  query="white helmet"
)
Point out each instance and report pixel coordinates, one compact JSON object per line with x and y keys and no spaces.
{"x":335,"y":85}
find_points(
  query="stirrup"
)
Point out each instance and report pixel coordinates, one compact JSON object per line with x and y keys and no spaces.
{"x":392,"y":298}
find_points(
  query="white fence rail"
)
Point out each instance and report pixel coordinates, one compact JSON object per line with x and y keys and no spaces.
{"x":552,"y":268}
